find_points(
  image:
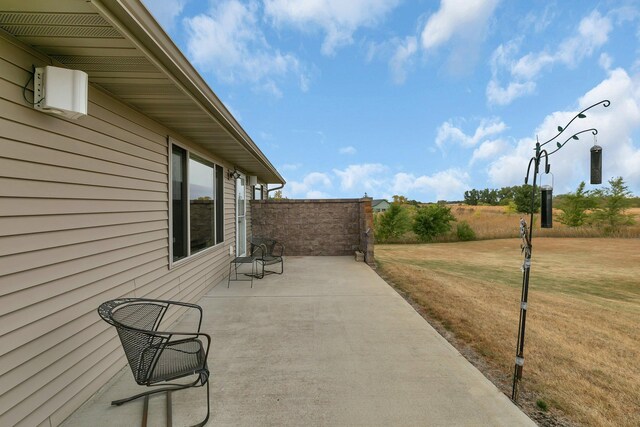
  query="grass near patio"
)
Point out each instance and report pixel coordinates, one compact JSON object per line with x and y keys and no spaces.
{"x":582,"y":347}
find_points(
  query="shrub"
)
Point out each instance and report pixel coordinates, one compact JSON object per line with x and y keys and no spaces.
{"x":510,"y":207}
{"x":465,"y":232}
{"x":392,"y":224}
{"x":574,"y":207}
{"x":522,"y":198}
{"x":611,"y":215}
{"x":431,"y":221}
{"x":542,"y":405}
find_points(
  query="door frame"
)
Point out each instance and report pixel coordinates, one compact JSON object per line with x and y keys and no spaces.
{"x":241,"y":189}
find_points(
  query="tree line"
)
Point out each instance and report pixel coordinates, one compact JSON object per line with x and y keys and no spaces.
{"x":519,"y":196}
{"x":604,"y":208}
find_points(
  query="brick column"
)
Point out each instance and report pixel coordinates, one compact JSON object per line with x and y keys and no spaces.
{"x":367,"y":238}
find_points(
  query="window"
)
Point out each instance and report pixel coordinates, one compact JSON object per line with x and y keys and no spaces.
{"x":202,"y":205}
{"x":196,"y":204}
{"x":179,"y":202}
{"x":257,"y":192}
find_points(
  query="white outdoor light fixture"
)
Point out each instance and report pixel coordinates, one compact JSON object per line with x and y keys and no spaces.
{"x":60,"y":91}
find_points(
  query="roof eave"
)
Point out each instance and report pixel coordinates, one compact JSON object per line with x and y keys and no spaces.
{"x":132,"y":17}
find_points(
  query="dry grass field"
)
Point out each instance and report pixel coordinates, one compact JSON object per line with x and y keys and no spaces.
{"x":495,"y":222}
{"x":582,"y":348}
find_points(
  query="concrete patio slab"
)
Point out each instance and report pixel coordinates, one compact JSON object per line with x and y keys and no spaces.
{"x":328,"y":343}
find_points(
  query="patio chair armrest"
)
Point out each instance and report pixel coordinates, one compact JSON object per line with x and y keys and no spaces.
{"x":189,"y":306}
{"x":183,"y":337}
{"x":258,"y":251}
{"x":279,"y":252}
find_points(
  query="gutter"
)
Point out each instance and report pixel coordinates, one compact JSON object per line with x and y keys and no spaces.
{"x":273,"y":189}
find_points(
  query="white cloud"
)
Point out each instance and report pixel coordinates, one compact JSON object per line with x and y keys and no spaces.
{"x":227,"y":42}
{"x":311,"y":186}
{"x":165,"y":11}
{"x":529,"y":66}
{"x":291,"y":166}
{"x":462,"y":23}
{"x":616,"y":124}
{"x":444,"y":185}
{"x":338,"y":19}
{"x":401,"y":58}
{"x":592,"y":33}
{"x":348,"y":150}
{"x":366,"y":177}
{"x":456,"y":17}
{"x":488,"y":150}
{"x":378,"y":181}
{"x":447,"y":132}
{"x":539,"y":21}
{"x":605,"y":61}
{"x":314,"y":194}
{"x":502,"y":96}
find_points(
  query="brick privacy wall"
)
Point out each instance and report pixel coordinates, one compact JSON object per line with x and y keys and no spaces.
{"x":316,"y":227}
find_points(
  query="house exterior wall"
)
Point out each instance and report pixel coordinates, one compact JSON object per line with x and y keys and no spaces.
{"x":83,"y":219}
{"x":316,"y":227}
{"x":382,"y":206}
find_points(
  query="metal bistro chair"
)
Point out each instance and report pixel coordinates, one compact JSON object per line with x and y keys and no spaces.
{"x":156,"y":357}
{"x":271,"y":253}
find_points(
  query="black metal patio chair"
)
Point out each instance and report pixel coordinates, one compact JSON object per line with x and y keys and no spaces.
{"x":158,"y":358}
{"x":268,"y":252}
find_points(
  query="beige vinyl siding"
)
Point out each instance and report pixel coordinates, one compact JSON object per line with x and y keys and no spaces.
{"x":230,"y":212}
{"x":83,"y":219}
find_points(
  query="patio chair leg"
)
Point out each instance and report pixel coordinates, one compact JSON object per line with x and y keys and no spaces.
{"x":148,"y":393}
{"x":265,"y":272}
{"x":169,"y":411}
{"x":168,"y":390}
{"x":203,"y":422}
{"x":145,"y":411}
{"x":261,"y":275}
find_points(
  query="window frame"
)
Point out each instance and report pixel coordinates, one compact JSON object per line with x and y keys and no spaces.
{"x":255,"y":187}
{"x":219,"y":203}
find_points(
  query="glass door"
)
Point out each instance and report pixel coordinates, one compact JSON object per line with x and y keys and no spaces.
{"x":241,"y":211}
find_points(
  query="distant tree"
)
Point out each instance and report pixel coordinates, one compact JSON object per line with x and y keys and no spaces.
{"x":489,"y":196}
{"x":471,"y":197}
{"x":393,"y":223}
{"x":431,"y":221}
{"x":574,"y":207}
{"x":399,"y":199}
{"x":522,"y":198}
{"x":486,"y":196}
{"x":277,"y":195}
{"x":505,"y":195}
{"x":615,"y":200}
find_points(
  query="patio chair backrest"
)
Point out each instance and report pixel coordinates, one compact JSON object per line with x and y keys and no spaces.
{"x":136,"y":323}
{"x":267,"y":243}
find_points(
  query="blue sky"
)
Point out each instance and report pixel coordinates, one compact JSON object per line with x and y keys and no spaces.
{"x":421,"y":98}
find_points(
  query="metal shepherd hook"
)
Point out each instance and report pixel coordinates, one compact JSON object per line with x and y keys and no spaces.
{"x":526,"y":233}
